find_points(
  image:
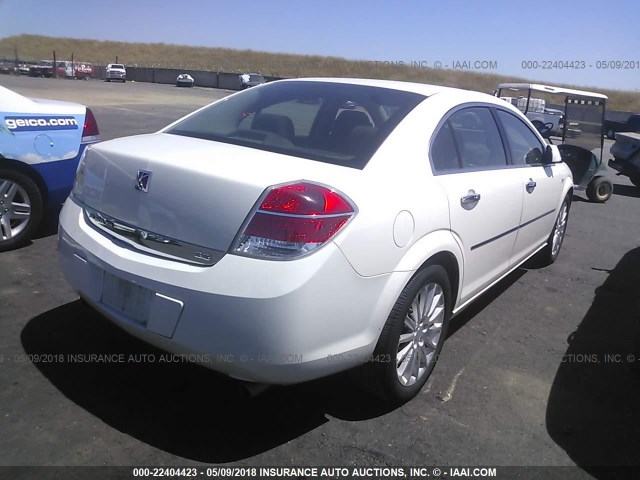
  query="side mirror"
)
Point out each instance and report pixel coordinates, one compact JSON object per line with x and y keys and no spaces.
{"x":551,"y":155}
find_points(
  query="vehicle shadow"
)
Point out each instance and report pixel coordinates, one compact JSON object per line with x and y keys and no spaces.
{"x":483,"y":301}
{"x":49,"y":225}
{"x":593,"y":410}
{"x":179,"y":407}
{"x":577,"y":198}
{"x":626,"y":190}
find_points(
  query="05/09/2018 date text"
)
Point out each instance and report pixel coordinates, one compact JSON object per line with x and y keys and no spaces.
{"x":580,"y":64}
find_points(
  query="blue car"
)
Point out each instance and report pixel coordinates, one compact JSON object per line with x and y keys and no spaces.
{"x":41,"y":142}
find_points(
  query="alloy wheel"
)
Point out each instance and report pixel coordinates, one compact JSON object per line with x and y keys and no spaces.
{"x":560,"y":229}
{"x":421,"y":334}
{"x":15,"y":209}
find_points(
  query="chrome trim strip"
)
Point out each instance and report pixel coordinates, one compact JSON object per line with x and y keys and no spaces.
{"x":313,"y":216}
{"x":497,"y":237}
{"x":152,"y":243}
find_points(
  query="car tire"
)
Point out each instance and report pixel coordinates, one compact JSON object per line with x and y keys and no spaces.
{"x":18,"y":188}
{"x":400,"y":336}
{"x":599,"y":190}
{"x":108,"y":79}
{"x":550,"y":252}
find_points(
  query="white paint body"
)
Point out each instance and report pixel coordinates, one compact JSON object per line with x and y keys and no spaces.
{"x":290,"y":321}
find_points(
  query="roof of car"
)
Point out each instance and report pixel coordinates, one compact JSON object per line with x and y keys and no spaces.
{"x":420,"y":88}
{"x":16,"y":103}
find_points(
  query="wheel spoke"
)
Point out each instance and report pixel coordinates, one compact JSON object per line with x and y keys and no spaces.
{"x":405,"y":337}
{"x":21,"y":211}
{"x":11,"y":191}
{"x":410,"y":323}
{"x":432,"y":339}
{"x":436,"y":315}
{"x":415,"y":367}
{"x":23,"y":207}
{"x":404,"y":367}
{"x":416,"y":308}
{"x":427,"y":301}
{"x":4,"y":187}
{"x":422,"y":356}
{"x":5,"y":227}
{"x":19,"y":216}
{"x":436,"y":299}
{"x":401,"y":356}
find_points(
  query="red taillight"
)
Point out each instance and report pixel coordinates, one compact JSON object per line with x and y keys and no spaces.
{"x":294,"y":220}
{"x":90,"y":127}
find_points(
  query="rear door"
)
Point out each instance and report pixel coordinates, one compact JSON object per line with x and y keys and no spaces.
{"x":485,"y":193}
{"x":541,"y":184}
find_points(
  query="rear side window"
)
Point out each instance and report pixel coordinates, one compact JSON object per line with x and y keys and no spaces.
{"x":336,"y":123}
{"x":444,"y":154}
{"x":477,"y":138}
{"x":524,"y":145}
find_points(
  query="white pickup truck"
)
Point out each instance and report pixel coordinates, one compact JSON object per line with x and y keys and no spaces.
{"x":116,"y":71}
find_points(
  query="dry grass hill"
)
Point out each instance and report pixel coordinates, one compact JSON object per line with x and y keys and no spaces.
{"x":34,"y":47}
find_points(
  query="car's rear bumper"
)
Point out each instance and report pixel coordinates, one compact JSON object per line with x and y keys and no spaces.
{"x":263,"y":321}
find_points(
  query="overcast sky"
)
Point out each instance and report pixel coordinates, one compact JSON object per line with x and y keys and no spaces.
{"x":589,"y":33}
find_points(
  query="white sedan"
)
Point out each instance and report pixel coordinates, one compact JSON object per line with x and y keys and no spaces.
{"x":184,"y":80}
{"x":309,"y":226}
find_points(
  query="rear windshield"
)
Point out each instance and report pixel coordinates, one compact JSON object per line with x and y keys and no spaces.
{"x":334,"y":123}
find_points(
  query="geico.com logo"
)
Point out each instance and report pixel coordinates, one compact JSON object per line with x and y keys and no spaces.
{"x":18,"y":124}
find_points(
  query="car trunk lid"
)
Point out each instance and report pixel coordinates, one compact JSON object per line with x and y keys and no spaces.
{"x":188,"y":189}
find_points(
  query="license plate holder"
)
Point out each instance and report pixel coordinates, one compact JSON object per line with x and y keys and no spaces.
{"x":133,"y":301}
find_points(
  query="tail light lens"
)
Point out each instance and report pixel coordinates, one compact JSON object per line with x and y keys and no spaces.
{"x":90,"y":132}
{"x":78,"y":181}
{"x":294,"y":220}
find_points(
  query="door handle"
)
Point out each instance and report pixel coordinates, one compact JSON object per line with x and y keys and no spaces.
{"x":531,"y":186}
{"x":470,"y":200}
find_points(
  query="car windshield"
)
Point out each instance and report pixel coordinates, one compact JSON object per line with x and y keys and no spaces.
{"x":336,"y":123}
{"x":117,"y":65}
{"x":256,"y":78}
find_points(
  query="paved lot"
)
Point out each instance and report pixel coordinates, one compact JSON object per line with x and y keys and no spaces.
{"x":522,"y":380}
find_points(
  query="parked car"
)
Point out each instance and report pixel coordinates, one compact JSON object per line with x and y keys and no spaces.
{"x":248,"y":80}
{"x":626,"y":156}
{"x":631,"y":125}
{"x":43,"y":68}
{"x":41,"y":142}
{"x":77,"y":70}
{"x":296,"y":239}
{"x":63,"y":69}
{"x":184,"y":80}
{"x":116,"y":71}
